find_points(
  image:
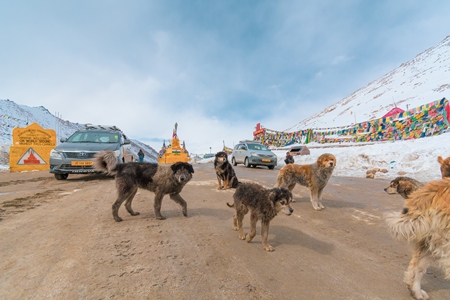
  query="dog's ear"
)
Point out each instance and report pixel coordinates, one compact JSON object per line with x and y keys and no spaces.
{"x":190,"y":168}
{"x":405,"y":187}
{"x":273,"y":196}
{"x":176,"y":166}
{"x":440,"y":160}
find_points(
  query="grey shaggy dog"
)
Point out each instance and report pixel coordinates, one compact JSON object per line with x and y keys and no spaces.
{"x":161,"y":180}
{"x":263,"y":204}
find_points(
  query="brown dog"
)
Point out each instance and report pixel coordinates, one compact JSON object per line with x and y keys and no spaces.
{"x":424,"y":222}
{"x":315,"y":176}
{"x":445,"y":166}
{"x":403,"y":185}
{"x":263,"y":204}
{"x":161,"y":180}
{"x":226,"y":177}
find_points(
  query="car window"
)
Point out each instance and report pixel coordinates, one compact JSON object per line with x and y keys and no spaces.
{"x":77,"y":137}
{"x":258,"y":147}
{"x":94,"y":137}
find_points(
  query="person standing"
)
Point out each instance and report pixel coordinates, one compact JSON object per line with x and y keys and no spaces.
{"x":289,"y":158}
{"x":141,"y":155}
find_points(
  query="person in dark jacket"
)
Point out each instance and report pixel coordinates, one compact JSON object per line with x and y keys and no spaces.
{"x":141,"y":155}
{"x":289,"y":158}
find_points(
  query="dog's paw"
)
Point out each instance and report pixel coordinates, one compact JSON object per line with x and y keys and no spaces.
{"x":269,"y":248}
{"x":118,"y":219}
{"x":242,"y":236}
{"x":135,"y":213}
{"x":318,"y":207}
{"x":161,"y":217}
{"x":420,"y":295}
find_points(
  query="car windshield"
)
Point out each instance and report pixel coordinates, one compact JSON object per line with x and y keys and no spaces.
{"x":93,"y":137}
{"x":257,"y":147}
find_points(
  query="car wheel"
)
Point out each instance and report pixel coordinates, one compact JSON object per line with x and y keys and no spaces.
{"x":246,"y":164}
{"x":233,"y":161}
{"x":61,"y":176}
{"x":271,"y":167}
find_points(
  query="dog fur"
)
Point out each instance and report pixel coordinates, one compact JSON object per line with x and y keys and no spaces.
{"x":226,"y":177}
{"x":161,"y":180}
{"x":315,"y":176}
{"x":424,"y":222}
{"x":263,"y":204}
{"x":445,"y":166}
{"x":403,"y":185}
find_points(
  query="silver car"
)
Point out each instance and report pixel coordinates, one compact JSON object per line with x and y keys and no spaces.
{"x":75,"y":155}
{"x":252,"y":154}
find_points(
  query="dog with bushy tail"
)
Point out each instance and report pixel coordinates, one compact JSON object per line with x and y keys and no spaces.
{"x":425,"y":223}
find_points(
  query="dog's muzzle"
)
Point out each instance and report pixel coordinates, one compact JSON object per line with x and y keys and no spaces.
{"x":288,"y":211}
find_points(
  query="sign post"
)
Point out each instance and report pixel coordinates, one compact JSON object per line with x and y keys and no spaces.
{"x":31,"y":148}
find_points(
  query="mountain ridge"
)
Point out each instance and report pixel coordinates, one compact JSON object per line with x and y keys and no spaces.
{"x":419,"y":81}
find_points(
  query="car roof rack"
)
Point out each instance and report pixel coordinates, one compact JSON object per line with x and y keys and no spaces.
{"x":101,"y":127}
{"x":248,"y":141}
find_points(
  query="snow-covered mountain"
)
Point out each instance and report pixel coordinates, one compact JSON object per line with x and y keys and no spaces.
{"x":14,"y":115}
{"x":422,"y":80}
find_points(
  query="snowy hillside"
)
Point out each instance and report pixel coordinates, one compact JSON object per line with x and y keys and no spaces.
{"x":13,"y":115}
{"x":422,"y":80}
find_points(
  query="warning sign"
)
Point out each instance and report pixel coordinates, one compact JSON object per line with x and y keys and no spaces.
{"x":31,"y":158}
{"x":31,"y":148}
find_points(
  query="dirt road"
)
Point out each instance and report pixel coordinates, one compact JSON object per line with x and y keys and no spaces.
{"x":58,"y":240}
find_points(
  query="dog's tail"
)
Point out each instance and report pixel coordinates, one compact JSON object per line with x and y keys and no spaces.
{"x":230,"y":205}
{"x":408,"y":227}
{"x":106,"y":161}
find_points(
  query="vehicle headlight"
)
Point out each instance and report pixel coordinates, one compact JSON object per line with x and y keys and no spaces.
{"x":56,"y":154}
{"x":253,"y":154}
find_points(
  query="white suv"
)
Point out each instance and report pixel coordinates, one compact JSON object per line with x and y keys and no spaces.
{"x":75,"y":155}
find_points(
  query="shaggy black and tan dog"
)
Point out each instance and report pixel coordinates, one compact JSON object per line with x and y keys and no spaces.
{"x":161,"y":180}
{"x":315,"y":176}
{"x":226,"y":177}
{"x":263,"y":204}
{"x":445,"y":166}
{"x":424,"y":222}
{"x":403,"y":185}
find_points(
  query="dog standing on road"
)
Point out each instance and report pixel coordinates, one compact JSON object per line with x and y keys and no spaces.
{"x":263,"y":204}
{"x":403,"y":185}
{"x":226,"y":177}
{"x":161,"y":180}
{"x":315,"y":176}
{"x":424,"y":222}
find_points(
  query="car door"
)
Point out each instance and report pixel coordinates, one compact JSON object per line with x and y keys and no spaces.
{"x":241,"y":153}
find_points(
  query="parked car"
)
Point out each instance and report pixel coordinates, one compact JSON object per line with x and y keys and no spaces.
{"x":75,"y":155}
{"x":252,"y":154}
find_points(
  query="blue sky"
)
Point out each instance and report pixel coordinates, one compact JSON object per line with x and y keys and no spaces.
{"x":215,"y":67}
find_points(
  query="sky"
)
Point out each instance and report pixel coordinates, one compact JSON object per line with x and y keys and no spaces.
{"x":217,"y":68}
